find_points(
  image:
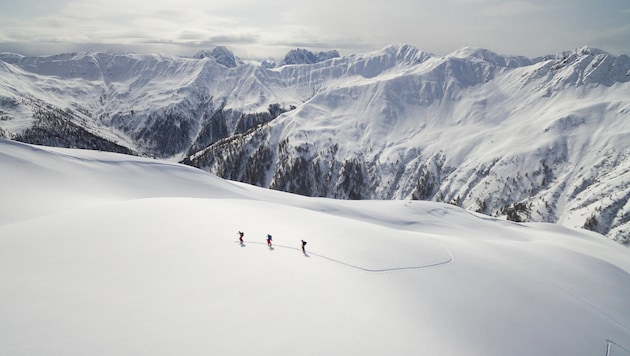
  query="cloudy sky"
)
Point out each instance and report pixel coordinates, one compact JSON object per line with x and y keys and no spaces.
{"x":269,"y":28}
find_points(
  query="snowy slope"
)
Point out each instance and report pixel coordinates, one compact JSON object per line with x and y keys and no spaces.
{"x":112,"y":254}
{"x":534,"y":140}
{"x":541,"y":139}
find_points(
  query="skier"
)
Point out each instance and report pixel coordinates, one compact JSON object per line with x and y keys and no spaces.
{"x":303,"y":244}
{"x":240,"y":236}
{"x":269,"y":240}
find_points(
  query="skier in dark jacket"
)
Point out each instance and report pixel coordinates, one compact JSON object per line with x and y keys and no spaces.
{"x":269,"y":240}
{"x":303,"y":244}
{"x":240,"y":236}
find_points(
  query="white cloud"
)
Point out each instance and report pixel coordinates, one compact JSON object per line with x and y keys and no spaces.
{"x":272,"y":27}
{"x":512,"y":8}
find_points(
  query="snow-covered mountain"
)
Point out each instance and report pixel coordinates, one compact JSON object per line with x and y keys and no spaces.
{"x":545,"y":139}
{"x":304,"y":56}
{"x":103,"y":253}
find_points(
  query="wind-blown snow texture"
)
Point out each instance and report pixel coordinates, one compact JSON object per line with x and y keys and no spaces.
{"x":103,"y":253}
{"x":544,"y":139}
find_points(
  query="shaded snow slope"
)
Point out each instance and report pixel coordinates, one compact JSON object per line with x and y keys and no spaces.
{"x":112,"y":254}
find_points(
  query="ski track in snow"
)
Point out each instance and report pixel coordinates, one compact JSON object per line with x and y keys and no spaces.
{"x":308,"y":254}
{"x":614,"y":349}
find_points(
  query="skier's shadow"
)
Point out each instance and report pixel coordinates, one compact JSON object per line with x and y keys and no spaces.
{"x":242,"y":244}
{"x":271,"y":248}
{"x":306,"y":254}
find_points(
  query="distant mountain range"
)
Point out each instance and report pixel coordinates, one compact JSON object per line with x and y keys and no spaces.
{"x":544,"y":139}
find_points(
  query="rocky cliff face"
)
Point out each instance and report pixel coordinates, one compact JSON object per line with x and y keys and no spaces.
{"x":531,"y":139}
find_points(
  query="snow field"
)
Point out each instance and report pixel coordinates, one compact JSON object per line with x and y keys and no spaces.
{"x":131,"y":256}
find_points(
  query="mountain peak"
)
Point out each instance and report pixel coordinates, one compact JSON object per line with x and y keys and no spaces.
{"x":408,"y":53}
{"x":304,"y":56}
{"x":10,"y":57}
{"x":574,"y":53}
{"x":486,"y":55}
{"x":588,"y":50}
{"x":221,"y":54}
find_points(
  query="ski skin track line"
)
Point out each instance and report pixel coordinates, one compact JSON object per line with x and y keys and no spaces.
{"x":449,"y":260}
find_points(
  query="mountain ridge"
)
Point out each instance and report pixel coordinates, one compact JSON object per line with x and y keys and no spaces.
{"x":541,"y":139}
